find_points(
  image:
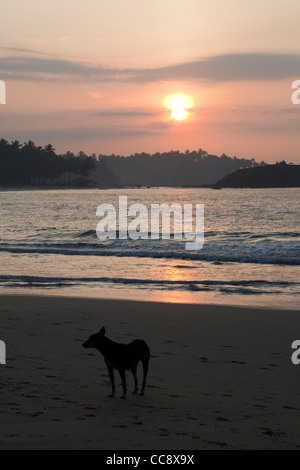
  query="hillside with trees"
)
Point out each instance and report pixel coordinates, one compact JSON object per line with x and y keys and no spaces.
{"x":280,"y":175}
{"x":174,"y":168}
{"x":30,"y":165}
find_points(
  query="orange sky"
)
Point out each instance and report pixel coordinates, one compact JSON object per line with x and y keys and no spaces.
{"x":93,"y":75}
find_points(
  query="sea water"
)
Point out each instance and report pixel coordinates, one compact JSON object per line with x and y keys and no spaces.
{"x":251,"y":253}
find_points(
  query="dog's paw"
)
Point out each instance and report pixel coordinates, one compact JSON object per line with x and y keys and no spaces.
{"x":112,"y":395}
{"x":123,"y":397}
{"x":134,"y":392}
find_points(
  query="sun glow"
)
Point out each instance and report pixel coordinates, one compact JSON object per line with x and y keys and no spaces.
{"x":179,"y":104}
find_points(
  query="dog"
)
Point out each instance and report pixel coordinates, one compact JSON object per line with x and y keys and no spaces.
{"x":121,"y":357}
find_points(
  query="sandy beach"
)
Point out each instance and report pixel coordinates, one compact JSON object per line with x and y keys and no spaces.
{"x":220,"y":377}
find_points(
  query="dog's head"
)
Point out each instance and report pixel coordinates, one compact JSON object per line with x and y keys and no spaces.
{"x":93,"y":341}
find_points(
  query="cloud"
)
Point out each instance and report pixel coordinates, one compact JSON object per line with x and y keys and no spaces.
{"x":228,"y":68}
{"x":64,"y":127}
{"x":33,"y":69}
{"x":124,"y":113}
{"x":293,"y":110}
{"x":22,"y":50}
{"x":75,"y":134}
{"x":270,"y":121}
{"x":119,"y":117}
{"x":221,"y":68}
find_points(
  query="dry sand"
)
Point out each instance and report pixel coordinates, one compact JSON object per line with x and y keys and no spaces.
{"x":220,"y":377}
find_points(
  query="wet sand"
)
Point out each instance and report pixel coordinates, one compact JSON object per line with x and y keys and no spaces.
{"x":220,"y":377}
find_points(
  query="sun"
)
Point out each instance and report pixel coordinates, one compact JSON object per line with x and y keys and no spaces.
{"x":179,"y":113}
{"x":179,"y":104}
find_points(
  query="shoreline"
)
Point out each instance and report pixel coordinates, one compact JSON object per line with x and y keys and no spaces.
{"x":154,"y":303}
{"x":220,"y":377}
{"x":206,"y":186}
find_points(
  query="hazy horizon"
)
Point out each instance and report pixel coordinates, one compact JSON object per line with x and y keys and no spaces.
{"x":95,"y":76}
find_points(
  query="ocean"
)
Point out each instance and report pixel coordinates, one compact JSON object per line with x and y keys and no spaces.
{"x":251,"y":254}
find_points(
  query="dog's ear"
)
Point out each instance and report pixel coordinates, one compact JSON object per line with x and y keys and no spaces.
{"x":102,"y":332}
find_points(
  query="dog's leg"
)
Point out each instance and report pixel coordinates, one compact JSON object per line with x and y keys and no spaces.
{"x":112,"y":380}
{"x":133,"y":370}
{"x":145,"y":369}
{"x":123,"y":377}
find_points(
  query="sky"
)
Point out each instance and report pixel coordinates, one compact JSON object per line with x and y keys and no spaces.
{"x":94,"y":75}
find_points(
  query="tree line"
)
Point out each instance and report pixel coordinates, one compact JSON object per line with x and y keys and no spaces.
{"x":175,"y":168}
{"x":28,"y":164}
